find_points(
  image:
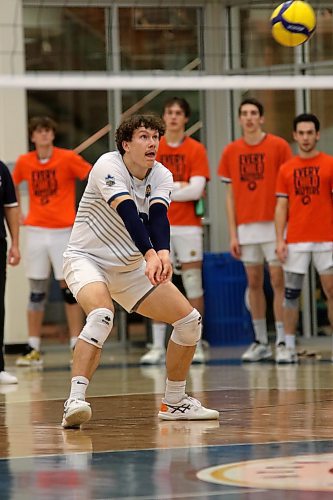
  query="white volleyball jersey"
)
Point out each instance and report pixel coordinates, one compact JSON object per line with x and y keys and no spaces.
{"x":98,"y":231}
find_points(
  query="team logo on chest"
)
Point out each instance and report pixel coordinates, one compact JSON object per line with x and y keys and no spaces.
{"x":110,"y":180}
{"x":251,"y":169}
{"x":306,"y":183}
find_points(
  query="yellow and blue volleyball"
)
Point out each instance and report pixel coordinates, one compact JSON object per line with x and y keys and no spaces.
{"x":293,"y":23}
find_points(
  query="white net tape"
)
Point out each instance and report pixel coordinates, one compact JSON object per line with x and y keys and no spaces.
{"x":103,"y":81}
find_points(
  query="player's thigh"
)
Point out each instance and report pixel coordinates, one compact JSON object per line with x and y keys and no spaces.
{"x":255,"y":275}
{"x":57,"y":244}
{"x":94,"y":296}
{"x":269,"y":251}
{"x":297,"y":262}
{"x":37,"y":262}
{"x":188,"y":245}
{"x":166,"y":304}
{"x":252,"y":255}
{"x":79,"y":272}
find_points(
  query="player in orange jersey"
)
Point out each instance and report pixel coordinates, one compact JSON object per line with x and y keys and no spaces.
{"x":50,"y":173}
{"x":304,"y":201}
{"x":187,"y":160}
{"x":249,"y":166}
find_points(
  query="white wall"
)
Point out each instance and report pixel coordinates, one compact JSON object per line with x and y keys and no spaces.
{"x":13,"y":142}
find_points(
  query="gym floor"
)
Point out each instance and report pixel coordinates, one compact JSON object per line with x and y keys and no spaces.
{"x":273,"y":440}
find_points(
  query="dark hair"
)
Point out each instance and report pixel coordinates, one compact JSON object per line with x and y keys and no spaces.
{"x":306,"y":117}
{"x":126,"y":129}
{"x":182,"y":103}
{"x":41,"y":122}
{"x":254,"y":102}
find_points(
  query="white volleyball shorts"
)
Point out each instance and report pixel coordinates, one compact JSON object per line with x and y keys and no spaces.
{"x":44,"y":248}
{"x":186,"y":244}
{"x":298,"y":262}
{"x":128,"y":287}
{"x":258,"y":253}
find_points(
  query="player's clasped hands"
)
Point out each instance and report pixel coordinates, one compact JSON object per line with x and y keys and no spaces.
{"x":158,"y":268}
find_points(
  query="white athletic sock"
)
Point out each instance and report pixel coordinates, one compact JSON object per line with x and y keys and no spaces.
{"x":78,"y":387}
{"x":34,"y":343}
{"x":72,"y":342}
{"x":260,"y":330}
{"x":280,"y":335}
{"x":174,"y":391}
{"x":290,"y":341}
{"x":158,"y":334}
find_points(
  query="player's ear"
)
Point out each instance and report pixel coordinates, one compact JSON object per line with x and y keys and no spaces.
{"x":262,"y":120}
{"x":125,"y":146}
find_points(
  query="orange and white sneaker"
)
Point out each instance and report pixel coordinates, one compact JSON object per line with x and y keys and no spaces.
{"x":187,"y":409}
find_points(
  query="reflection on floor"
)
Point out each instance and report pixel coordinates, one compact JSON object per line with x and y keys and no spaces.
{"x":273,"y":440}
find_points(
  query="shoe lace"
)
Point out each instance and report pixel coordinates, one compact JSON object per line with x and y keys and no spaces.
{"x":193,"y":401}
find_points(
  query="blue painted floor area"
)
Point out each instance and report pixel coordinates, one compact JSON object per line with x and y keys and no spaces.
{"x":146,"y":474}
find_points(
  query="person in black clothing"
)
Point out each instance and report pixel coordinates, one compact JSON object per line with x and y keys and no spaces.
{"x":9,"y":213}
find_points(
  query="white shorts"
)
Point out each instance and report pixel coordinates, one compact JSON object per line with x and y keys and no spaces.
{"x":257,"y":253}
{"x":298,"y":262}
{"x":45,"y":247}
{"x":127,"y":287}
{"x":186,"y":244}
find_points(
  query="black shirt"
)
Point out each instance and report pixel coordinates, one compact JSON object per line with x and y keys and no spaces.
{"x":7,"y":195}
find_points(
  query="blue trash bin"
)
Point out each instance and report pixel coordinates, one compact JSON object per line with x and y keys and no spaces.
{"x":226,"y":320}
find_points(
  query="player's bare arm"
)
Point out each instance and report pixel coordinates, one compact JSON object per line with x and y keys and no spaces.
{"x":281,"y":214}
{"x":231,"y":216}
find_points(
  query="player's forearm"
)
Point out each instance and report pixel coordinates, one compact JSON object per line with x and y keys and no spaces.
{"x":12,"y":217}
{"x":231,"y":215}
{"x":159,"y":227}
{"x":281,"y":214}
{"x":191,"y":191}
{"x":128,"y":212}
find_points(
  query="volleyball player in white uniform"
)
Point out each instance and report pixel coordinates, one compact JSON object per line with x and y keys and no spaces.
{"x":119,"y":250}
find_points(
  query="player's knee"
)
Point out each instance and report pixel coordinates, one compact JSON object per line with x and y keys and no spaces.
{"x":192,"y":281}
{"x":98,"y":327}
{"x":37,"y":298}
{"x":291,"y":298}
{"x":292,"y":291}
{"x":68,"y":296}
{"x":187,"y":331}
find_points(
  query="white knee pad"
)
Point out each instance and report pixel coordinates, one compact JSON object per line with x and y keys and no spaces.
{"x":187,"y":331}
{"x":98,"y":327}
{"x":192,"y":281}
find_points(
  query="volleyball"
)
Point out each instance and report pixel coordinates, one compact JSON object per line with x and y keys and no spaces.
{"x":293,"y":23}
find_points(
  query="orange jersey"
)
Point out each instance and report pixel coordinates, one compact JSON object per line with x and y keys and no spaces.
{"x":252,"y":171}
{"x":187,"y":160}
{"x":308,"y":185}
{"x":51,"y":186}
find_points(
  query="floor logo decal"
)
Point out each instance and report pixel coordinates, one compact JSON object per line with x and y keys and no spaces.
{"x":306,"y":472}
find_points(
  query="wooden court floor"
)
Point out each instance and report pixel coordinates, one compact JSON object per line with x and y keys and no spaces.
{"x":273,"y":439}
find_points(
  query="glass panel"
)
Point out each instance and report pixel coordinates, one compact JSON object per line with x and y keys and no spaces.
{"x":321,"y":44}
{"x":279,"y":110}
{"x":257,"y":46}
{"x":64,"y":38}
{"x":158,"y":38}
{"x":78,"y":114}
{"x":130,"y":98}
{"x":322,"y":106}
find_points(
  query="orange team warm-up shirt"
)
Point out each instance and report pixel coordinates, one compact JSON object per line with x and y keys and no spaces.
{"x":252,"y":171}
{"x":308,"y":185}
{"x":187,"y":160}
{"x":51,"y":186}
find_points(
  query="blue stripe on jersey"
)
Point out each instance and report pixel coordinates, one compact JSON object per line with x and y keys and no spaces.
{"x":160,"y":198}
{"x":115,"y":196}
